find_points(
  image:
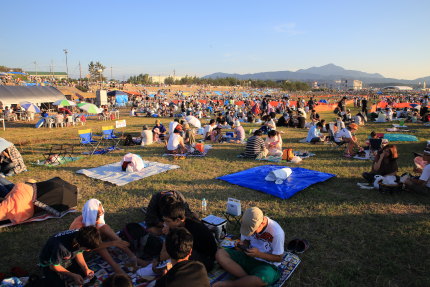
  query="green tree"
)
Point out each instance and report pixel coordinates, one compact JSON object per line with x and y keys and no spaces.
{"x":94,"y":69}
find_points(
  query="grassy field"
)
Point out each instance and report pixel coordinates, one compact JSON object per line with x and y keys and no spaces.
{"x":358,"y":237}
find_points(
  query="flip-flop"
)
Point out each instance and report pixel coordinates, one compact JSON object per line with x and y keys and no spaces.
{"x":302,"y":246}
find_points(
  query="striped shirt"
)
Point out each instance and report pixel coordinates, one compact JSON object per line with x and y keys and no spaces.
{"x":254,"y":146}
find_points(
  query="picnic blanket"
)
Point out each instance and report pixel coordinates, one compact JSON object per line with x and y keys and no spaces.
{"x":288,"y":266}
{"x":195,"y":153}
{"x":39,"y":217}
{"x":113,"y":173}
{"x":400,"y":138}
{"x":253,"y":178}
{"x":57,"y":161}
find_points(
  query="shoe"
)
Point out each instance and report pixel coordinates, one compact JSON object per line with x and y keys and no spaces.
{"x":302,"y":246}
{"x":292,"y":245}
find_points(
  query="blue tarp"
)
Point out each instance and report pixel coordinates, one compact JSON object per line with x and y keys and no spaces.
{"x":323,"y":101}
{"x":400,"y":138}
{"x":253,"y":178}
{"x":121,"y":98}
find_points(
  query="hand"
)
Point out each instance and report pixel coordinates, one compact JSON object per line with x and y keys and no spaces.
{"x":252,"y":252}
{"x":77,"y":279}
{"x":89,"y":273}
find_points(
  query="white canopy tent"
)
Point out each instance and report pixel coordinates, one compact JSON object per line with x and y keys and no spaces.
{"x":13,"y":95}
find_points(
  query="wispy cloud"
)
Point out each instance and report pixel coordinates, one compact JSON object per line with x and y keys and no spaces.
{"x":287,"y":28}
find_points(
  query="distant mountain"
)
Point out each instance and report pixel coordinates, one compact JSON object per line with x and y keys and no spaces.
{"x":329,"y":72}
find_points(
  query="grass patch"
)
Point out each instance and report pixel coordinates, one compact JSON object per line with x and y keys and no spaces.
{"x":358,"y":237}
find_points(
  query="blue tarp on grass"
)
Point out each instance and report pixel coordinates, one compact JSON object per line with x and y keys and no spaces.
{"x":253,"y":178}
{"x":400,"y":138}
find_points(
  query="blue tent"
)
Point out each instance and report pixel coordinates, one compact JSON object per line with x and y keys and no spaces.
{"x":323,"y":101}
{"x":121,"y":98}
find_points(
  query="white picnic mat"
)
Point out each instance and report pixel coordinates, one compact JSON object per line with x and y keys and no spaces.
{"x":112,"y":172}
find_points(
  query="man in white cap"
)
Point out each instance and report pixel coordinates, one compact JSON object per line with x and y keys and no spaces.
{"x":256,"y":258}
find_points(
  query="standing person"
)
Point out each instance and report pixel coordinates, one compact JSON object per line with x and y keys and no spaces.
{"x":256,"y":259}
{"x":183,"y":271}
{"x":364,"y":106}
{"x":62,"y":256}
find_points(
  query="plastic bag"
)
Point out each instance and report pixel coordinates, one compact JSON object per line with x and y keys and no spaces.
{"x":279,"y":175}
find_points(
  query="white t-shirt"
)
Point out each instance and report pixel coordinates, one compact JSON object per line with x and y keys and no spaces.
{"x":172,"y":126}
{"x":343,"y":133}
{"x":270,"y":240}
{"x":425,"y":176}
{"x":208,"y":129}
{"x":173,"y":142}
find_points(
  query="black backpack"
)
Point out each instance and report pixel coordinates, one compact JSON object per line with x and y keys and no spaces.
{"x":128,"y":140}
{"x":145,"y":245}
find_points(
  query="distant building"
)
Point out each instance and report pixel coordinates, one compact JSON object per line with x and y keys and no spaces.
{"x":48,"y":75}
{"x":160,"y":79}
{"x":398,"y":88}
{"x":347,"y":84}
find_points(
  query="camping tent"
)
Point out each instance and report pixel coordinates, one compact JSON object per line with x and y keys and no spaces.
{"x":13,"y":95}
{"x":16,"y":163}
{"x":121,"y":98}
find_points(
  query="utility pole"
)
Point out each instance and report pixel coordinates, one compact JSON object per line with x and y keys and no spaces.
{"x":35,"y":67}
{"x":67,"y":66}
{"x":111,"y":73}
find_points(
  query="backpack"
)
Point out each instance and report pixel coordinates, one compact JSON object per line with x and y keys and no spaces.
{"x":287,"y":154}
{"x":128,"y":140}
{"x":145,"y":245}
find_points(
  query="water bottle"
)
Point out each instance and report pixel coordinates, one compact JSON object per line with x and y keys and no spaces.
{"x":204,"y":205}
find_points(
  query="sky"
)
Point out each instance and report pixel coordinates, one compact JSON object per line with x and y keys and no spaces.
{"x":203,"y":37}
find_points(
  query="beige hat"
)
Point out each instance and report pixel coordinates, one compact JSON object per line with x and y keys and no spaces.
{"x":251,"y":220}
{"x":236,"y":123}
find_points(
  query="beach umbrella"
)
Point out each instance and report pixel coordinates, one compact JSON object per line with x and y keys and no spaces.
{"x":63,"y":103}
{"x":30,"y":107}
{"x":89,"y":108}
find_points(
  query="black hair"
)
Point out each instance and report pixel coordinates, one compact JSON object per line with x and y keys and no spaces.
{"x":272,"y":133}
{"x":319,"y":124}
{"x":179,"y":243}
{"x":211,"y":121}
{"x":117,"y":280}
{"x":89,"y":237}
{"x":174,"y":211}
{"x":167,"y":200}
{"x":176,"y":120}
{"x":258,"y":133}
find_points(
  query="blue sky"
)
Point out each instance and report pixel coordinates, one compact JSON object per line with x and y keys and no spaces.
{"x":203,"y":37}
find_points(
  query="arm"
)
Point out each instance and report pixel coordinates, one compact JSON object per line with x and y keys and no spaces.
{"x":81,"y":262}
{"x":254,"y":252}
{"x":378,"y":162}
{"x":61,"y":270}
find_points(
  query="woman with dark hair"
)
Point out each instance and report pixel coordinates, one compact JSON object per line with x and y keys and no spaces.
{"x":385,"y":163}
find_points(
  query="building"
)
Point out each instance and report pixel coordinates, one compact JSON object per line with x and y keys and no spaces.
{"x":348,"y":84}
{"x":48,"y":75}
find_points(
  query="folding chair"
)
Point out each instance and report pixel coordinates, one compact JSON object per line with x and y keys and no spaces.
{"x":54,"y":155}
{"x":332,"y":139}
{"x":86,"y":141}
{"x":109,"y":135}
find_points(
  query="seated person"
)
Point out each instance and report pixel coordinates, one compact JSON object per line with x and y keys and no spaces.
{"x":146,"y":136}
{"x":184,"y":272}
{"x":159,"y":131}
{"x":385,"y":163}
{"x":261,"y":250}
{"x":176,"y":144}
{"x":5,"y":187}
{"x":273,"y":143}
{"x":208,"y":129}
{"x":314,"y":116}
{"x":204,"y":245}
{"x":374,"y":136}
{"x":346,"y":135}
{"x":283,"y":120}
{"x":216,"y":134}
{"x":314,"y":134}
{"x":18,"y":205}
{"x":93,"y":215}
{"x":301,"y":119}
{"x":117,"y":280}
{"x":382,"y":117}
{"x":189,"y":136}
{"x":421,"y":184}
{"x":255,"y":147}
{"x":62,"y":256}
{"x":153,"y":217}
{"x":239,"y":133}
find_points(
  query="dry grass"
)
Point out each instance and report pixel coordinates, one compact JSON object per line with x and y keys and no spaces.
{"x":358,"y":237}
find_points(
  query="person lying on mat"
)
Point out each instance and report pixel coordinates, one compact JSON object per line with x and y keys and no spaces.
{"x":182,"y":271}
{"x":256,"y":258}
{"x":421,"y":184}
{"x":204,"y":246}
{"x":159,"y":201}
{"x":255,"y":147}
{"x":385,"y":163}
{"x":347,"y":136}
{"x":273,"y":143}
{"x":62,"y":256}
{"x":176,"y":144}
{"x":93,"y":215}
